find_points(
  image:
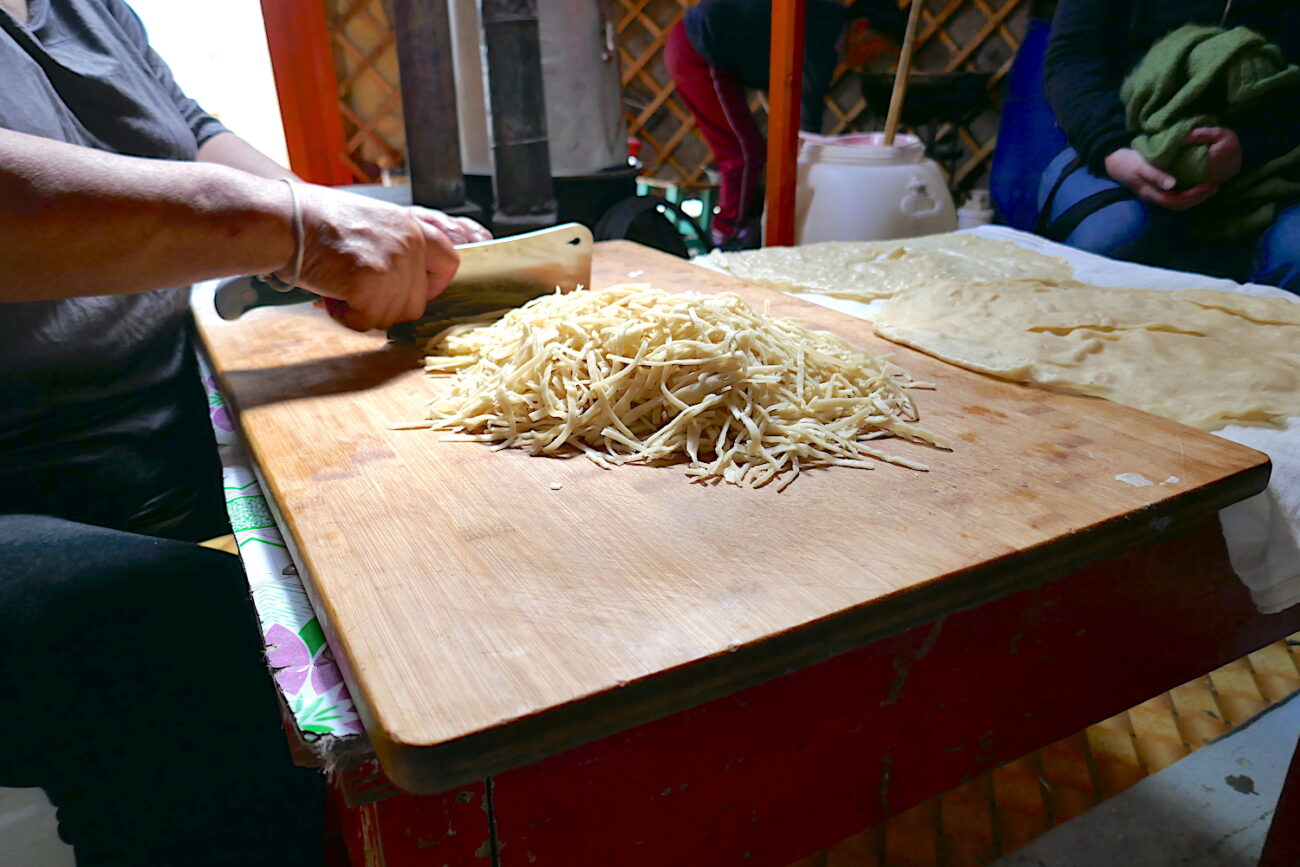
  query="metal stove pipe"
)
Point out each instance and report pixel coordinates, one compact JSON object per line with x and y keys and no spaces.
{"x":525,"y":196}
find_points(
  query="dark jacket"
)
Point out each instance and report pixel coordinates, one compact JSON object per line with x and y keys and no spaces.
{"x":736,"y":35}
{"x":1095,"y":43}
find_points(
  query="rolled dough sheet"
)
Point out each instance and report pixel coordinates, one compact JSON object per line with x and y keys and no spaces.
{"x":1262,"y":532}
{"x":868,"y":270}
{"x":1201,"y":357}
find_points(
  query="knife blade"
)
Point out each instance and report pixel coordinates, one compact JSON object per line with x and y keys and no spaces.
{"x":496,"y":274}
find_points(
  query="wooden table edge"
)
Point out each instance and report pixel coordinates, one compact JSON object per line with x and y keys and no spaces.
{"x":433,"y":768}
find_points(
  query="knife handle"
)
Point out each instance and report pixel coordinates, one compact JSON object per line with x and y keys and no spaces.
{"x":236,"y":296}
{"x":282,"y":297}
{"x":290,"y":294}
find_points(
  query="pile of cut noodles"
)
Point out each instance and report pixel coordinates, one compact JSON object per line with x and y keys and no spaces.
{"x":633,"y":374}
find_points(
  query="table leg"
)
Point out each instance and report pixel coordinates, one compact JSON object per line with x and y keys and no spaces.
{"x":1282,"y":846}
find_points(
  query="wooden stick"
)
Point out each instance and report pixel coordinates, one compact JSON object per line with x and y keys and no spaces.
{"x":900,"y":77}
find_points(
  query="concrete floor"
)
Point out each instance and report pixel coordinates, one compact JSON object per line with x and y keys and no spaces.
{"x":1211,"y":809}
{"x":27,"y":835}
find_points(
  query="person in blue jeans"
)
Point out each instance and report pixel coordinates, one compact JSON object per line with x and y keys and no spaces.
{"x":1101,"y":195}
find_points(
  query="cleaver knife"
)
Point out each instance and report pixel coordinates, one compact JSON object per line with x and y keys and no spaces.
{"x":493,"y":275}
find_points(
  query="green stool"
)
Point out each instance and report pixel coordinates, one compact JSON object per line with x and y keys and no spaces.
{"x":673,"y":192}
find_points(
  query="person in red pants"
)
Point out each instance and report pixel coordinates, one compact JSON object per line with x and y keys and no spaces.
{"x":720,"y":49}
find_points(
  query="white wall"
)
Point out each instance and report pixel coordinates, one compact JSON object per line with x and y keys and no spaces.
{"x":217,"y":51}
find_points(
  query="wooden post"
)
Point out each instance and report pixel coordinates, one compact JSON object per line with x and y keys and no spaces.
{"x":423,"y":31}
{"x":785,"y":84}
{"x":305,"y":82}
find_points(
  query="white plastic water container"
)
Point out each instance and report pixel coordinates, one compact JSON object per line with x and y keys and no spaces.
{"x":857,"y":188}
{"x":978,"y":210}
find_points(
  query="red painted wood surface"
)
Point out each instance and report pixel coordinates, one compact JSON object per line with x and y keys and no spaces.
{"x":772,"y":773}
{"x":1282,"y":846}
{"x":784,"y":89}
{"x":777,"y":771}
{"x":407,"y":830}
{"x":305,"y":82}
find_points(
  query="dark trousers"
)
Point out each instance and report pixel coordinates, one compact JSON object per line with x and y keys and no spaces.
{"x":134,"y":690}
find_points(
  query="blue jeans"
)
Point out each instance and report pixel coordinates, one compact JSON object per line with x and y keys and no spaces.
{"x":1132,"y":230}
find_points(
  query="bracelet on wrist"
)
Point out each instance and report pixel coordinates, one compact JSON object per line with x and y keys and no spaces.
{"x":299,"y":245}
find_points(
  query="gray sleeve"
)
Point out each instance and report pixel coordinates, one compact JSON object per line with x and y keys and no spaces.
{"x":203,"y":125}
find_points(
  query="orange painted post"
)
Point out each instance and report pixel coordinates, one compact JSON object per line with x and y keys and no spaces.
{"x":299,"y":44}
{"x":784,"y":87}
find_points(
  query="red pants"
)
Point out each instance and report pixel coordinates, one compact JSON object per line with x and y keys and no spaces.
{"x":722,"y":113}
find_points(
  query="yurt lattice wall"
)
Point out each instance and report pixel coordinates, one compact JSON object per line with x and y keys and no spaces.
{"x":955,"y":35}
{"x":370,"y":98}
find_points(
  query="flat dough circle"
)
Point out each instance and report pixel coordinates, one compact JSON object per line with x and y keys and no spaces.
{"x":868,"y":270}
{"x":1201,"y":357}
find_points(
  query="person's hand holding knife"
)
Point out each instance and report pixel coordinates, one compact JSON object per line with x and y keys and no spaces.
{"x":373,"y":263}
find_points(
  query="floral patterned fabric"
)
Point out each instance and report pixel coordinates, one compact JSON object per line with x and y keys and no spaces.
{"x":304,"y":668}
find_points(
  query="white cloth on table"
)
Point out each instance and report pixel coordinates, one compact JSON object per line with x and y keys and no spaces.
{"x":1262,"y":532}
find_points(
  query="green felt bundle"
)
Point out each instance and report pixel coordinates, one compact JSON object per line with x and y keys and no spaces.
{"x":1201,"y":76}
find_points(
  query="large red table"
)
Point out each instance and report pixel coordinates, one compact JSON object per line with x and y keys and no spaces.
{"x":844,"y":694}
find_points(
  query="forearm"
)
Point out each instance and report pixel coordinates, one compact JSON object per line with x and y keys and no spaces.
{"x":228,"y":149}
{"x":77,"y":221}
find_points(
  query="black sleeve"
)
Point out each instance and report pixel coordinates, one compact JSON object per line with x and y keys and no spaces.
{"x":203,"y":125}
{"x":824,"y":27}
{"x":818,"y":69}
{"x":1273,"y":129}
{"x":1266,"y":133}
{"x":1264,"y":140}
{"x":1083,"y":70}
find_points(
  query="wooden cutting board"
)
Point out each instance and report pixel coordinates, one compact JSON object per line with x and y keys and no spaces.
{"x":485,"y":619}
